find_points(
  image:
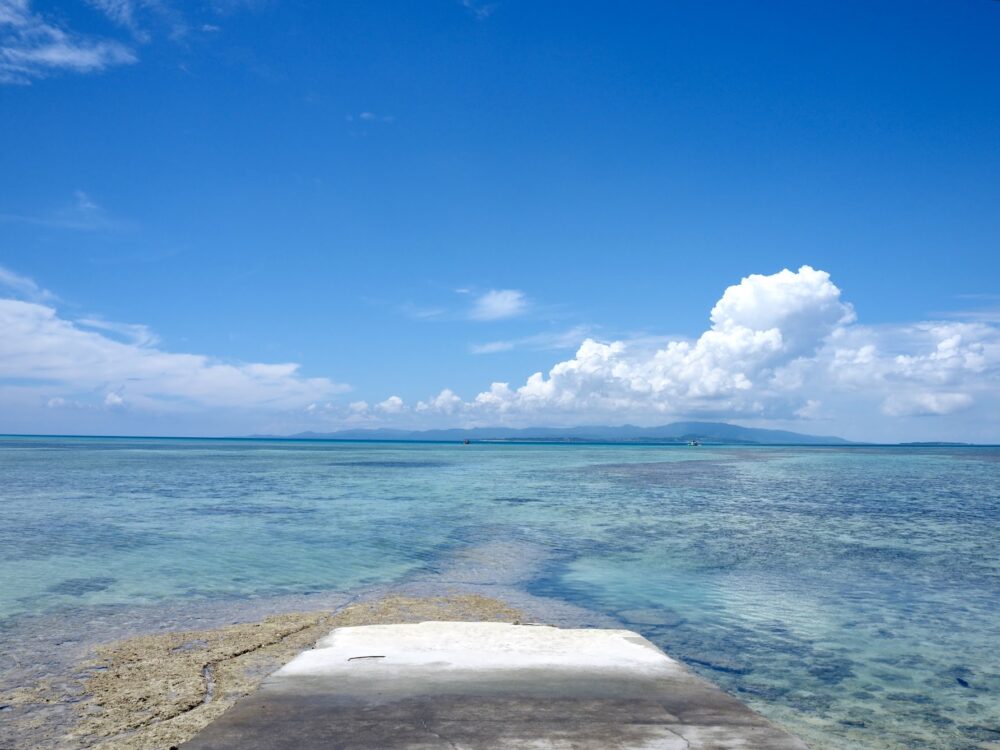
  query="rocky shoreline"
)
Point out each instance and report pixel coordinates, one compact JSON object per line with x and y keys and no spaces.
{"x":157,"y":690}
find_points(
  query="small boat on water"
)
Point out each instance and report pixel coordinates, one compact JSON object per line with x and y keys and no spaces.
{"x":693,"y":442}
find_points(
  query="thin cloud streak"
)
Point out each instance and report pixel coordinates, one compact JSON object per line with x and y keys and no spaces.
{"x":24,"y":287}
{"x":32,"y":48}
{"x":83,"y":214}
{"x":481,"y":11}
{"x":92,"y":362}
{"x":371,"y":117}
{"x":540,"y":341}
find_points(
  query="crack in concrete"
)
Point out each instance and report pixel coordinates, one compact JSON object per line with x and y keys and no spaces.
{"x":439,"y":735}
{"x":682,"y":738}
{"x":208,"y":673}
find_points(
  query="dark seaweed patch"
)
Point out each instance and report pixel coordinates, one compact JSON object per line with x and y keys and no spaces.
{"x":81,"y":586}
{"x":719,"y":664}
{"x":832,"y":671}
{"x":982,"y":733}
{"x":249,"y":509}
{"x":59,"y":536}
{"x":652,"y":616}
{"x":388,"y":464}
{"x":695,"y":473}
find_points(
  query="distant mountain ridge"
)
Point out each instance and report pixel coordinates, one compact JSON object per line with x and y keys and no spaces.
{"x":676,"y":432}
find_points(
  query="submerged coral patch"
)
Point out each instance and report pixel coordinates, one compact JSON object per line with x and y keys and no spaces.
{"x":81,"y":586}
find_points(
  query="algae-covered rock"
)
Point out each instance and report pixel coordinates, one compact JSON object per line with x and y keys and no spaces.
{"x":157,"y":691}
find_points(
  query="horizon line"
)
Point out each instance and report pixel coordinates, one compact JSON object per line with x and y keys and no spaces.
{"x":511,"y":441}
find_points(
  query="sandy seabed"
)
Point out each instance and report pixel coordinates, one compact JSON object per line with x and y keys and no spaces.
{"x":156,"y":691}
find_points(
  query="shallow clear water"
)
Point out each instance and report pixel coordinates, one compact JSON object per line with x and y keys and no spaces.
{"x":851,"y":594}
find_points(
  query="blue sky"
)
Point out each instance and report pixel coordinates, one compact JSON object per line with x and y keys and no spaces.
{"x":405,"y":199}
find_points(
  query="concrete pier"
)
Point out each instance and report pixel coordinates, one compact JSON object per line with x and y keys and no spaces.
{"x":484,"y":685}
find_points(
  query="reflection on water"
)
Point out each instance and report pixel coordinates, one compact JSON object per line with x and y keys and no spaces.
{"x":851,"y":594}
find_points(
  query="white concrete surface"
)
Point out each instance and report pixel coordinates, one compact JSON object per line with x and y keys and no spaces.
{"x":488,"y":686}
{"x":478,"y":646}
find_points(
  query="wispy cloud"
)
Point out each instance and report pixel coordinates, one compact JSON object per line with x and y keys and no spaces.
{"x":120,"y":12}
{"x":23,"y":287}
{"x":31,"y":47}
{"x":480,"y":10}
{"x":34,"y":45}
{"x":82,"y":213}
{"x":141,"y":17}
{"x":492,"y":347}
{"x":498,"y":304}
{"x":478,"y":305}
{"x":982,"y":314}
{"x":370,"y":117}
{"x":424,"y":313}
{"x":980,"y":296}
{"x":132,"y":333}
{"x":986,"y":311}
{"x":569,"y":339}
{"x":102,"y":364}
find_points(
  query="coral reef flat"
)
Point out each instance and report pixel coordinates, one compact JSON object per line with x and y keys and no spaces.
{"x":156,"y":691}
{"x":849,"y":594}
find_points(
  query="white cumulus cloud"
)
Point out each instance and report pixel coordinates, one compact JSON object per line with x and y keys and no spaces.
{"x":779,"y":346}
{"x":779,"y":349}
{"x":114,"y":400}
{"x":392,"y":405}
{"x":757,"y":326}
{"x":923,"y":404}
{"x":446,"y":402}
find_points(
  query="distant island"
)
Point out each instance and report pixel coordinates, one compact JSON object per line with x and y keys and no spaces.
{"x":676,"y":432}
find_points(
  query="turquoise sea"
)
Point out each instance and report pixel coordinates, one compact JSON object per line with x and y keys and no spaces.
{"x":851,"y":594}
